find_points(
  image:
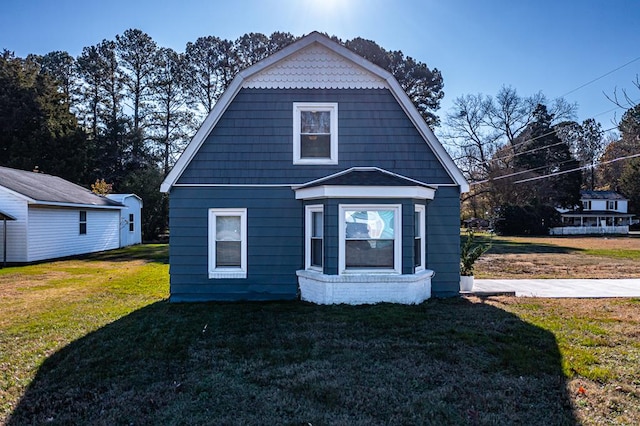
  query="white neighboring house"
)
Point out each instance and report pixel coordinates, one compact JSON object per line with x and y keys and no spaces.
{"x":54,"y":218}
{"x":601,"y":212}
{"x":130,"y":218}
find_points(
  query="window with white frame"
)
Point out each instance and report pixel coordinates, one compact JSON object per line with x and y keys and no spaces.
{"x":227,"y":243}
{"x":314,"y":241}
{"x":370,"y":238}
{"x":419,"y":238}
{"x":586,"y":205}
{"x":612,"y":205}
{"x":315,"y":133}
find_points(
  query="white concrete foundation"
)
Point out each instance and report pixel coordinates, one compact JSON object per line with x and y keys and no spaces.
{"x":355,"y":289}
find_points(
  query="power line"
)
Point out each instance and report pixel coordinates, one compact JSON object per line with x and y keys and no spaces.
{"x":576,"y":169}
{"x":598,"y":78}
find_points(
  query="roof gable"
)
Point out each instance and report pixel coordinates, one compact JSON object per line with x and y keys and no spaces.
{"x":315,"y":67}
{"x":312,"y":54}
{"x":41,"y":188}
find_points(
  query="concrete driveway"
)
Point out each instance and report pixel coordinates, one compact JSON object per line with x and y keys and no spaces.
{"x":561,"y":288}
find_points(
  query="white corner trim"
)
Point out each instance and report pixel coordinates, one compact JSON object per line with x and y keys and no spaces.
{"x":344,"y":191}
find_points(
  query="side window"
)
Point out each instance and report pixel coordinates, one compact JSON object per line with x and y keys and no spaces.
{"x":227,"y":243}
{"x":419,"y":238}
{"x":83,"y":222}
{"x":315,"y":133}
{"x":314,"y":240}
{"x":131,"y":223}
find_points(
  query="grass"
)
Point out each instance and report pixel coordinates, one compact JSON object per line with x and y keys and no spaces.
{"x":560,"y":257}
{"x":94,"y":341}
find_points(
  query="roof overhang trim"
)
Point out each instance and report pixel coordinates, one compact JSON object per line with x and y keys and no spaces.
{"x":347,"y":191}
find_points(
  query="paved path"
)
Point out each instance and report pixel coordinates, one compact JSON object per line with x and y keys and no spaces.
{"x":562,"y":288}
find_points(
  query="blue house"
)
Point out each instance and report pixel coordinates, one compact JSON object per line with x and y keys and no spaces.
{"x":315,"y":177}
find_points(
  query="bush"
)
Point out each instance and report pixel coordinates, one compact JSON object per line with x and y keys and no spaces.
{"x":526,"y":220}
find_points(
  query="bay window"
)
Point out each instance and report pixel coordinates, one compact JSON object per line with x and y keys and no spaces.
{"x":370,"y":238}
{"x":314,"y":237}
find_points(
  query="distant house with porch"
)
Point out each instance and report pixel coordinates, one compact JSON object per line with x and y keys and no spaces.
{"x":600,"y":212}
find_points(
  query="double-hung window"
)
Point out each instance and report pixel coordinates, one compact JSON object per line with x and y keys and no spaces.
{"x":314,"y":241}
{"x":315,"y":133}
{"x":83,"y":222}
{"x":227,"y":243}
{"x":419,"y":238}
{"x":370,"y":238}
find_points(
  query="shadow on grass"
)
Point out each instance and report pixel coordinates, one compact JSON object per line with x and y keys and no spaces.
{"x":442,"y":362}
{"x":158,"y":253}
{"x":505,"y":246}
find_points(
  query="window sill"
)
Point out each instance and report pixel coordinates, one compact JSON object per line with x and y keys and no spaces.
{"x":319,"y":161}
{"x":229,"y":274}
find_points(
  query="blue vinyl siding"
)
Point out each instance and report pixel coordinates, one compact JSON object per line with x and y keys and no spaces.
{"x":253,"y":141}
{"x":252,"y":144}
{"x":275,"y":243}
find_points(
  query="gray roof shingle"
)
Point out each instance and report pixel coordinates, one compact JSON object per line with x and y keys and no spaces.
{"x":45,"y":188}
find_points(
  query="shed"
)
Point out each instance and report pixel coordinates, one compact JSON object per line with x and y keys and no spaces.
{"x":130,"y":218}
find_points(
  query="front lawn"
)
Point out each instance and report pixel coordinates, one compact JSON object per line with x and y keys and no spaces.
{"x":93,"y":341}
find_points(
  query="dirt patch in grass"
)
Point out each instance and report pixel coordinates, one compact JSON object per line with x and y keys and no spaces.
{"x":582,"y":257}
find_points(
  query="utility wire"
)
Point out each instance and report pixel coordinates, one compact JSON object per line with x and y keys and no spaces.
{"x":576,"y":169}
{"x":598,"y":78}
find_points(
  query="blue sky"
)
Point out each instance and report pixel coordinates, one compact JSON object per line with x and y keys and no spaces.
{"x":553,"y":46}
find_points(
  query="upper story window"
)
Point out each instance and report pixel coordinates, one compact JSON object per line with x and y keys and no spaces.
{"x":612,"y":205}
{"x":315,"y":133}
{"x":586,"y":205}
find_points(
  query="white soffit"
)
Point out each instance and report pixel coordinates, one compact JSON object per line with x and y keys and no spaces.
{"x":315,"y":67}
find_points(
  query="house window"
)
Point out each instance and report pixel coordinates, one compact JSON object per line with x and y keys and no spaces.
{"x":315,"y":133}
{"x":612,"y":205}
{"x":586,"y":205}
{"x":83,"y":222}
{"x":131,"y":223}
{"x":419,"y":238}
{"x":227,"y":243}
{"x":369,"y":238}
{"x":314,"y":242}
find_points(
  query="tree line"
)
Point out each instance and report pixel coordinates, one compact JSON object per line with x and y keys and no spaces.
{"x":123,"y":110}
{"x":526,"y":156}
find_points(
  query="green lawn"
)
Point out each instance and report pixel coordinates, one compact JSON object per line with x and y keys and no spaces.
{"x":94,"y":341}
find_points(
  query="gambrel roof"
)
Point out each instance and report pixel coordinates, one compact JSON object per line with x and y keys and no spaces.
{"x":44,"y":189}
{"x":314,"y":61}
